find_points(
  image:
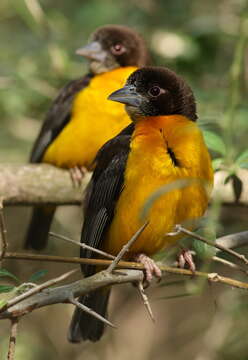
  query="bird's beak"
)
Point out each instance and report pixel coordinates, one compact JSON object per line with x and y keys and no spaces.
{"x":92,"y":51}
{"x":126,"y":95}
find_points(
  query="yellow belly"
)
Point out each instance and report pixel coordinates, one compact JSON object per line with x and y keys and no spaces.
{"x":94,"y":121}
{"x":148,"y":168}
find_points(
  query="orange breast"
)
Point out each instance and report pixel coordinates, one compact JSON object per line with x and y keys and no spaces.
{"x":149,"y":167}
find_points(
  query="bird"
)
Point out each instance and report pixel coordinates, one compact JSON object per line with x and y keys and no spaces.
{"x":162,"y":145}
{"x":81,"y":119}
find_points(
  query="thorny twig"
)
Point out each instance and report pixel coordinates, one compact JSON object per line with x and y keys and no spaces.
{"x":145,"y":300}
{"x":12,"y":339}
{"x":36,"y":290}
{"x":242,"y":236}
{"x":126,"y":247}
{"x":229,"y":264}
{"x":90,"y":311}
{"x":82,"y":245}
{"x":181,"y":229}
{"x":126,"y":265}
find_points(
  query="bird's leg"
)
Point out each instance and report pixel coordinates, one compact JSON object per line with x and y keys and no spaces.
{"x":185,"y":257}
{"x":77,"y":174}
{"x":151,"y":268}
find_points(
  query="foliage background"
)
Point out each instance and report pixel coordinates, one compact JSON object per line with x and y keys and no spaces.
{"x":197,"y":39}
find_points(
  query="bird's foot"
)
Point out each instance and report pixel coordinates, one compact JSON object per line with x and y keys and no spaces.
{"x":185,"y":257}
{"x":77,"y":174}
{"x":151,"y":268}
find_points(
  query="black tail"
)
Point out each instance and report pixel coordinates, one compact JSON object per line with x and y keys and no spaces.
{"x":84,"y":326}
{"x":37,"y":234}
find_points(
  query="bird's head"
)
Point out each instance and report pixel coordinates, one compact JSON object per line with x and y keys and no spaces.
{"x":156,"y":91}
{"x":114,"y":46}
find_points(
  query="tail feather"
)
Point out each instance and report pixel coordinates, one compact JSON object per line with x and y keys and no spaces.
{"x":84,"y":326}
{"x":37,"y":234}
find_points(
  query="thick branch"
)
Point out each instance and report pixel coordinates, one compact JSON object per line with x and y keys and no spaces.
{"x":38,"y":184}
{"x":63,"y":294}
{"x":30,"y":184}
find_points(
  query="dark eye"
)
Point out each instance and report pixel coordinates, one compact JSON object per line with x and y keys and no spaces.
{"x":155,"y":91}
{"x":117,"y":49}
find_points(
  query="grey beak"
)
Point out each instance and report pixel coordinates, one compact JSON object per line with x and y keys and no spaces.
{"x":92,"y":51}
{"x":126,"y":95}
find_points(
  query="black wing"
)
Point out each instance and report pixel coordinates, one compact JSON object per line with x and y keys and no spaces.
{"x":103,"y":191}
{"x":57,"y":117}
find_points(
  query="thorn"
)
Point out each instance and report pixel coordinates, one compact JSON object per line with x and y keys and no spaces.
{"x":82,"y":245}
{"x":126,"y":247}
{"x":91,"y":312}
{"x":145,"y":300}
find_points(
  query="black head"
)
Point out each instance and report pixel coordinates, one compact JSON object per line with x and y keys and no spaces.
{"x":114,"y":46}
{"x":154,"y":91}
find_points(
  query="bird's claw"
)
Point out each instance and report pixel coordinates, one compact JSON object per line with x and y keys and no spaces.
{"x":77,"y":174}
{"x":185,"y":257}
{"x":151,"y":268}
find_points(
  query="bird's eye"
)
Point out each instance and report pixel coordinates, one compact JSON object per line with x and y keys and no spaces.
{"x":155,"y":91}
{"x":118,"y":49}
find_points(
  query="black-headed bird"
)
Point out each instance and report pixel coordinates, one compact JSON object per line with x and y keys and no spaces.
{"x":162,"y":145}
{"x":81,"y":119}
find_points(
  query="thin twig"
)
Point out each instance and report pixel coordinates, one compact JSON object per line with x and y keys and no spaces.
{"x":3,"y":233}
{"x":12,"y":339}
{"x":37,"y":289}
{"x":145,"y":300}
{"x":229,"y":264}
{"x":91,"y":312}
{"x":126,"y":265}
{"x":181,"y":229}
{"x":126,"y":247}
{"x":82,"y":245}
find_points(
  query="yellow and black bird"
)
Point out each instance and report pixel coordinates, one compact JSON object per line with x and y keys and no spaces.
{"x":163,"y":144}
{"x":81,"y":119}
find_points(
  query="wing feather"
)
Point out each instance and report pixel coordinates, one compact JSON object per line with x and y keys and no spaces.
{"x":57,"y":117}
{"x":103,"y":192}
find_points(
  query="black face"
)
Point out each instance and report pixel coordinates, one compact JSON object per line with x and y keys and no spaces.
{"x":122,"y":44}
{"x":154,"y":91}
{"x":114,"y":46}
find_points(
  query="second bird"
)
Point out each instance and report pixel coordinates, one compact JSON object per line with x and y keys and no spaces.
{"x":81,"y":119}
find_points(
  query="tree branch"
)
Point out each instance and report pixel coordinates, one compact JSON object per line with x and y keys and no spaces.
{"x":12,"y":339}
{"x":64,"y":294}
{"x":32,"y":184}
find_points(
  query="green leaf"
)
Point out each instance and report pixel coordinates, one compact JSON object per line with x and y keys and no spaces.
{"x":214,"y":142}
{"x":242,"y":160}
{"x":3,"y":303}
{"x":6,"y":273}
{"x":205,"y":251}
{"x":216,"y":163}
{"x":6,"y":288}
{"x":36,"y":276}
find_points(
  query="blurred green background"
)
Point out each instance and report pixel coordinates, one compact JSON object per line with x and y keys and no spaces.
{"x":205,"y":42}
